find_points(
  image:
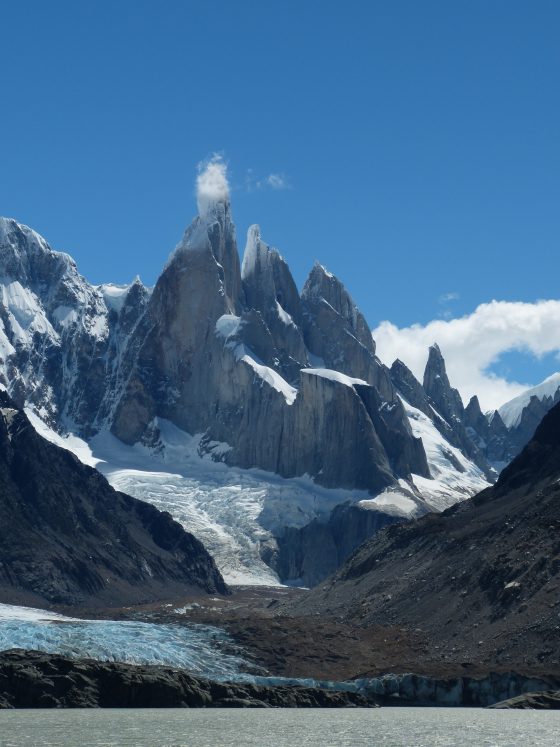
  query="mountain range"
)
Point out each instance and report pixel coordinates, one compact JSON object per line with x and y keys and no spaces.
{"x":264,"y":377}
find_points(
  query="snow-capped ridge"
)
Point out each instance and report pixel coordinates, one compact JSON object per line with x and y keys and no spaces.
{"x":512,"y":411}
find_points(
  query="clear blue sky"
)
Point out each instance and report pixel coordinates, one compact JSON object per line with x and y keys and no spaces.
{"x":420,"y":140}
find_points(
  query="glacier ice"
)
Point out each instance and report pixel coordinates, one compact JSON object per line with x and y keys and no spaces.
{"x":198,"y":648}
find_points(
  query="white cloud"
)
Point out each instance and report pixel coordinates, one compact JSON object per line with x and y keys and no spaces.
{"x":472,"y":343}
{"x":274,"y":181}
{"x":446,"y":297}
{"x":211,"y":184}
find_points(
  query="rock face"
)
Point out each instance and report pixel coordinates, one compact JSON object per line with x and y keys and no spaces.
{"x":486,"y":439}
{"x":447,"y":400}
{"x":448,"y":403}
{"x":30,"y":679}
{"x":482,"y":579}
{"x":308,"y":555}
{"x":67,"y":537}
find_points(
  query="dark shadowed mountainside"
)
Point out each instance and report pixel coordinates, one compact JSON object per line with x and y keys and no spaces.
{"x":482,"y":580}
{"x":67,"y":537}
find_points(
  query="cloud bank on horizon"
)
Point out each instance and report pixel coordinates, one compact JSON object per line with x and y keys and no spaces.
{"x":472,"y":343}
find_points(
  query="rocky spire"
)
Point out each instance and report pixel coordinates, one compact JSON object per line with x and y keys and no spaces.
{"x":410,"y":388}
{"x":322,"y":286}
{"x":448,"y":403}
{"x":267,"y":280}
{"x":213,"y":231}
{"x":436,"y":383}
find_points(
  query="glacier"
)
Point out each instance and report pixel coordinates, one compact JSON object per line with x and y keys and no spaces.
{"x":236,"y":512}
{"x":232,"y":511}
{"x":202,"y":649}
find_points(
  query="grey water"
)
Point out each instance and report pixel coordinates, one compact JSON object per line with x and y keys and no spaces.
{"x":221,"y":727}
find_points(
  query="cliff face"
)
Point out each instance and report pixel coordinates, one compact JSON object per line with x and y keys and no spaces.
{"x":67,"y":537}
{"x":308,"y":555}
{"x":240,"y":357}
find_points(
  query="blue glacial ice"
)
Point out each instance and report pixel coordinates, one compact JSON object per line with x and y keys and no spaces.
{"x":202,"y":649}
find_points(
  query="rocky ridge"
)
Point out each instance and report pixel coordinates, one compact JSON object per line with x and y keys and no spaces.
{"x":31,"y":679}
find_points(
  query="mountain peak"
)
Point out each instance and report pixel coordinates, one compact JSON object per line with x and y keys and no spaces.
{"x":436,"y":383}
{"x":474,"y":406}
{"x":435,"y":355}
{"x":435,"y":367}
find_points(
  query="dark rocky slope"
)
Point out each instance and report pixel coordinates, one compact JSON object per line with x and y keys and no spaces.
{"x":548,"y":700}
{"x":482,"y":580}
{"x":67,"y":537}
{"x":31,"y":679}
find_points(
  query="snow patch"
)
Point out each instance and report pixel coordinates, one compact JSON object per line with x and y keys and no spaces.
{"x":228,"y":325}
{"x":65,"y":315}
{"x":70,"y":442}
{"x":284,"y":316}
{"x":393,"y":502}
{"x":114,"y":295}
{"x":447,"y":485}
{"x":340,"y":378}
{"x":272,"y":378}
{"x":24,"y":312}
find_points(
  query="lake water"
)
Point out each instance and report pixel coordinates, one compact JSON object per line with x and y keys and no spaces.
{"x":220,"y":727}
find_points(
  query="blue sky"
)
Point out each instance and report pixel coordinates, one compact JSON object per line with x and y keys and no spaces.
{"x":416,"y":146}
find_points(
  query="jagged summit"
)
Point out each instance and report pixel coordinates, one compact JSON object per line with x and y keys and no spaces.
{"x":25,"y":253}
{"x":435,"y":365}
{"x":437,"y":386}
{"x":162,"y":355}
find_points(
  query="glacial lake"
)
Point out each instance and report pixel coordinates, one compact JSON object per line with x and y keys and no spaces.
{"x":220,"y":727}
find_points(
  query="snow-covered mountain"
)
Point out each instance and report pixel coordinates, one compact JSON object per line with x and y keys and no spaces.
{"x":547,"y":393}
{"x":226,"y":363}
{"x":60,"y":337}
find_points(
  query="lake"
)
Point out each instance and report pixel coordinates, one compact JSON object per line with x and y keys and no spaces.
{"x":220,"y":727}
